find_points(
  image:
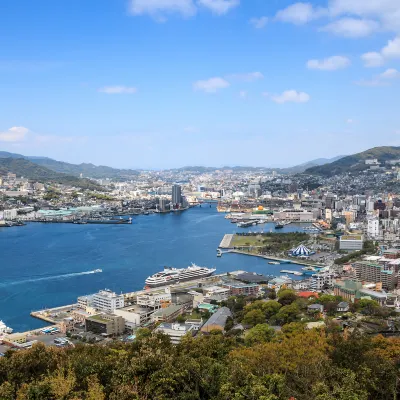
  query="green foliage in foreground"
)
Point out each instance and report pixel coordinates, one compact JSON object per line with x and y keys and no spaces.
{"x":304,"y":365}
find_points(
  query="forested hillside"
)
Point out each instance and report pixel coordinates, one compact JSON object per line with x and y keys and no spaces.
{"x":296,"y":364}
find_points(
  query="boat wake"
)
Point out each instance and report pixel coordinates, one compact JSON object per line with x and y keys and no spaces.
{"x":50,"y":278}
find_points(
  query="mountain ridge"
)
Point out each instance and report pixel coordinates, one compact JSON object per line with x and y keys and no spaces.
{"x":354,"y":162}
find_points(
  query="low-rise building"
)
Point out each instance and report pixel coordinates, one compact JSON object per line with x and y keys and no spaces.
{"x":154,"y":300}
{"x":107,"y":324}
{"x":343,"y":306}
{"x":347,"y":289}
{"x":242,"y":289}
{"x":217,"y":321}
{"x":351,"y":242}
{"x":175,"y":331}
{"x":167,"y":314}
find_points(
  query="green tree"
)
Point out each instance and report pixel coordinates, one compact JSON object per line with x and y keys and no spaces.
{"x":254,"y":317}
{"x":261,"y":333}
{"x":286,"y":296}
{"x":287,"y":314}
{"x":229,"y":324}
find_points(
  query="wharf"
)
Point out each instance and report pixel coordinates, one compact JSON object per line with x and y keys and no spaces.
{"x":282,"y":260}
{"x":226,"y":241}
{"x":47,"y":314}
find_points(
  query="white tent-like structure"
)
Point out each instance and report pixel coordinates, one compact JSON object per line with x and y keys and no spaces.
{"x":302,"y":251}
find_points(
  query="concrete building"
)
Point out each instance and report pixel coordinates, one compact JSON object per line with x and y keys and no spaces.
{"x":351,"y":242}
{"x":297,"y":215}
{"x":373,"y":227}
{"x":10,"y":215}
{"x":217,"y":321}
{"x":347,"y":289}
{"x":154,"y":300}
{"x":319,"y":281}
{"x":175,"y":331}
{"x":176,"y":195}
{"x":372,"y":272}
{"x":134,"y":315}
{"x":241,"y":289}
{"x":107,"y":324}
{"x":107,"y":301}
{"x":167,"y":314}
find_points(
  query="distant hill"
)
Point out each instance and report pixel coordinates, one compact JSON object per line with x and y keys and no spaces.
{"x":290,"y":170}
{"x":313,"y":163}
{"x":355,"y":162}
{"x":34,"y":172}
{"x":89,"y":170}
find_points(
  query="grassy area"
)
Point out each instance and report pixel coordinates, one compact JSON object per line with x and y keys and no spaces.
{"x":242,"y":241}
{"x":269,"y":242}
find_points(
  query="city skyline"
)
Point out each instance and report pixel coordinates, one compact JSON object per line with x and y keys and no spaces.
{"x":162,"y":84}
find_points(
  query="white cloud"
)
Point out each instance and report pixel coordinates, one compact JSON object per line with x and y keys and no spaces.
{"x":259,"y":23}
{"x":350,"y":121}
{"x":382,"y":79}
{"x":211,"y":85}
{"x":158,"y":8}
{"x":352,"y":27}
{"x":373,"y":59}
{"x":350,"y":18}
{"x":377,"y":59}
{"x":246,"y":77}
{"x":219,"y":6}
{"x":14,"y":134}
{"x":386,"y":12}
{"x":390,"y":73}
{"x":392,"y":49}
{"x":118,"y":90}
{"x":299,"y":13}
{"x":329,"y":64}
{"x":243,"y":94}
{"x":291,"y":96}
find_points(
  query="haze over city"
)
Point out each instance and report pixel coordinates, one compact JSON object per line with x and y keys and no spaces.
{"x":159,"y":84}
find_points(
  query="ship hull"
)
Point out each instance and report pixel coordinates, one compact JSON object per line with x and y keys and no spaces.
{"x":173,"y":281}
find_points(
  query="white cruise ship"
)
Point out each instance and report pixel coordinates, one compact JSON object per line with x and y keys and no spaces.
{"x":174,"y":275}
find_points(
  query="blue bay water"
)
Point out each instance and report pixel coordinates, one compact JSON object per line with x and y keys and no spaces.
{"x":47,"y":265}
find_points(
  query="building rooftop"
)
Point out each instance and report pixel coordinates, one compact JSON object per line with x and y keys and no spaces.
{"x":219,"y":318}
{"x":166,"y":312}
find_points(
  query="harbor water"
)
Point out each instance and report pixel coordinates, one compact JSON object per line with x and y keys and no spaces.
{"x":48,"y":265}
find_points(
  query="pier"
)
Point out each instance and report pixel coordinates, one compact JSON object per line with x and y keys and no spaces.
{"x":226,"y":241}
{"x":273,"y":258}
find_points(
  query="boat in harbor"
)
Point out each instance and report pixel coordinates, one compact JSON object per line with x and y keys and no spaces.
{"x":279,"y":225}
{"x":309,"y":270}
{"x":287,"y":271}
{"x":176,"y":275}
{"x":274,"y":262}
{"x":114,"y":221}
{"x":246,"y":224}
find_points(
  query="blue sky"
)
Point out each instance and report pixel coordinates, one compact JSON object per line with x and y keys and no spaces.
{"x":167,"y":83}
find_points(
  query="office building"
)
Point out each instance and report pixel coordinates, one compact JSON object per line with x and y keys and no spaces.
{"x":107,"y":324}
{"x":176,"y":195}
{"x":351,"y":242}
{"x":373,"y":227}
{"x":107,"y":301}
